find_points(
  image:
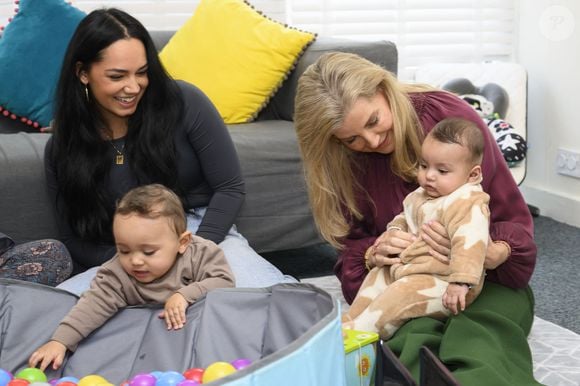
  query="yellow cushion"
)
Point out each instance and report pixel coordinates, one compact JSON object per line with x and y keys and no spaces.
{"x":234,"y":54}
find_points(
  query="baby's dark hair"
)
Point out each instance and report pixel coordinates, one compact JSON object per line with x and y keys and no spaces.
{"x":153,"y":201}
{"x":462,"y":132}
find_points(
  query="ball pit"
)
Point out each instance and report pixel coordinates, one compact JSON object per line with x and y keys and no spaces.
{"x":191,"y":377}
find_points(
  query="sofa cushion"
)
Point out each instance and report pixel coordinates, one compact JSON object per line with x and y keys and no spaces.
{"x":276,"y":213}
{"x":32,"y":48}
{"x":235,"y":54}
{"x":381,"y":52}
{"x":26,"y":212}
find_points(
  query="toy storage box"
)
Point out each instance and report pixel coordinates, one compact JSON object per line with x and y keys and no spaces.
{"x":291,"y":332}
{"x":360,"y":348}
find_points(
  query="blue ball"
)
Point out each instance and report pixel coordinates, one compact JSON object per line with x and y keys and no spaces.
{"x":169,"y":378}
{"x":5,"y":377}
{"x":67,"y":379}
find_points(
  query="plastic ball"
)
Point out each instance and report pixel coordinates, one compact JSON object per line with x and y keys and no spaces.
{"x":217,"y":370}
{"x":31,"y":374}
{"x":170,"y":378}
{"x":143,"y":380}
{"x":194,"y":374}
{"x":18,"y":382}
{"x":241,"y":363}
{"x":39,"y":384}
{"x":93,"y":380}
{"x":74,"y":380}
{"x":156,"y":374}
{"x":66,"y":383}
{"x":5,"y":377}
{"x":188,"y":382}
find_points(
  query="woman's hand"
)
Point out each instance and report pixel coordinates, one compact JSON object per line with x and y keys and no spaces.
{"x":497,"y":253}
{"x":436,"y":237}
{"x":386,"y":249}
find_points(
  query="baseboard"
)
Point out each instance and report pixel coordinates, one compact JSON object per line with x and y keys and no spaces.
{"x":559,"y":207}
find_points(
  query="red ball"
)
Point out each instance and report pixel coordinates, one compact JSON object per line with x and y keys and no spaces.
{"x":66,"y":383}
{"x":18,"y":382}
{"x":194,"y":374}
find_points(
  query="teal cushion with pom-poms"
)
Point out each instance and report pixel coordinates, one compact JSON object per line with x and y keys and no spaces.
{"x":32,"y":48}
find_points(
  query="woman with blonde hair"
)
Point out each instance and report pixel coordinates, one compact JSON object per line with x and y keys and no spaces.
{"x":360,"y":132}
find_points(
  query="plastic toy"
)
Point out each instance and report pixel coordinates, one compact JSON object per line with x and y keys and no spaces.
{"x":217,"y":370}
{"x":5,"y":377}
{"x":156,"y":374}
{"x":73,"y":380}
{"x":170,"y":378}
{"x":194,"y":374}
{"x":93,"y":380}
{"x":67,"y":383}
{"x":241,"y":363}
{"x":188,"y":382}
{"x":31,"y":374}
{"x":18,"y":382}
{"x":143,"y":380}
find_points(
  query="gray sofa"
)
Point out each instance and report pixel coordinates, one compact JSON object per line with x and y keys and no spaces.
{"x":276,"y":213}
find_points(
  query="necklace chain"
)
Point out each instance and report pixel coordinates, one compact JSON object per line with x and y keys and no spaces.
{"x":120,"y":157}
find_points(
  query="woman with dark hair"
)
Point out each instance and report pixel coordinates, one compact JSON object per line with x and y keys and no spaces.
{"x":121,"y":122}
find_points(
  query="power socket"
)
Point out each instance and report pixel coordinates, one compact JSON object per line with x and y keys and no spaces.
{"x":568,"y":163}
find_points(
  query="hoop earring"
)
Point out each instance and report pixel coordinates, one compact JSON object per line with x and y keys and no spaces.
{"x":87,"y":92}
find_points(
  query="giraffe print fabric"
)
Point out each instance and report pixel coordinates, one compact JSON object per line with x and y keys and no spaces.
{"x":391,"y":295}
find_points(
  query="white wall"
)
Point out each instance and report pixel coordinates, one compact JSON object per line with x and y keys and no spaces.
{"x":549,"y":47}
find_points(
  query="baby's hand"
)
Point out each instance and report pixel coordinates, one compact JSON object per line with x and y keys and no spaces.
{"x":454,"y":294}
{"x":53,"y":352}
{"x":174,"y":312}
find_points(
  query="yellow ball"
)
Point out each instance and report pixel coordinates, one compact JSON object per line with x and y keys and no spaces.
{"x":93,"y":380}
{"x":217,"y":370}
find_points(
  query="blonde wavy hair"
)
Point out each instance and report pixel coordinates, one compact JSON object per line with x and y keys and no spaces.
{"x":326,"y":92}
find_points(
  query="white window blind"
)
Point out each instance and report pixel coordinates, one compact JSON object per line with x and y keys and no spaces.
{"x":425,"y":31}
{"x":155,"y":14}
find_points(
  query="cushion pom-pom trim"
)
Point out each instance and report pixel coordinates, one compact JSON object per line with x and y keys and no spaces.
{"x":24,"y":120}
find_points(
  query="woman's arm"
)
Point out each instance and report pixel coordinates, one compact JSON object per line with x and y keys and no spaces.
{"x":85,"y":253}
{"x":350,"y":267}
{"x":217,"y":158}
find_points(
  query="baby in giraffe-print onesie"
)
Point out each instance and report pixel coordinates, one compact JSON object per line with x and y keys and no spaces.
{"x":449,"y":176}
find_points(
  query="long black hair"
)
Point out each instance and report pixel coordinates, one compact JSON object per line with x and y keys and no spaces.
{"x":80,"y":152}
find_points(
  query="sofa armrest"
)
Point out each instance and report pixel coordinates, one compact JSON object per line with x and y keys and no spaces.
{"x":382,"y":52}
{"x":26,"y":212}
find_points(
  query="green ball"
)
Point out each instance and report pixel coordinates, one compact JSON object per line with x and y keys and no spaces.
{"x":31,"y":374}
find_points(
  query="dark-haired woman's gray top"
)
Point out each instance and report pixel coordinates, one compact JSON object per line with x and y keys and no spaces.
{"x":208,"y":171}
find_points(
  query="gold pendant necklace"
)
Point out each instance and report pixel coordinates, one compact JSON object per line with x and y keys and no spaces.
{"x":120,"y":157}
